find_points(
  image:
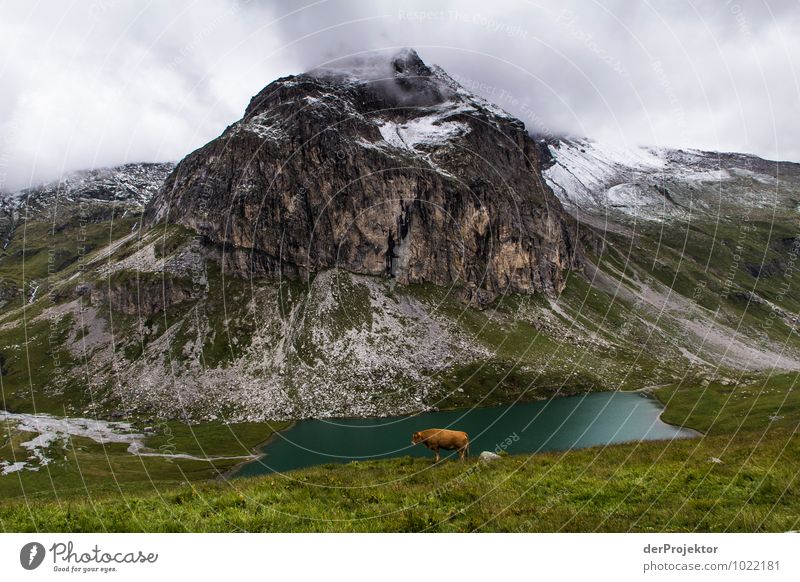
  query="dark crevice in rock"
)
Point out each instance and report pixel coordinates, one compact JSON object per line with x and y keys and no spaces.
{"x":391,"y":256}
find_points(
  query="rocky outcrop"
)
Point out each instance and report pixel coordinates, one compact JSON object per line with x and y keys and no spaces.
{"x":383,"y":166}
{"x":142,"y":294}
{"x":8,"y":219}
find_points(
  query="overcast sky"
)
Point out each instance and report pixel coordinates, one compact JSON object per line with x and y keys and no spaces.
{"x":89,"y":83}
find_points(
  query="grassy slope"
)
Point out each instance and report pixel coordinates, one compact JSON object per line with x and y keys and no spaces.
{"x":657,"y":486}
{"x":769,"y":402}
{"x":52,"y":256}
{"x":648,"y":487}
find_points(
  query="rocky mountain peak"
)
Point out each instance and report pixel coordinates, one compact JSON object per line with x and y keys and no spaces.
{"x":375,"y":65}
{"x":407,"y":61}
{"x":380,"y":165}
{"x":388,"y":80}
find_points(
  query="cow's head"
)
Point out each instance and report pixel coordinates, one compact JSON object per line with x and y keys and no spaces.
{"x":416,"y":438}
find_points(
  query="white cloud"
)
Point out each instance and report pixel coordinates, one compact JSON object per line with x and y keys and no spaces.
{"x":96,"y":84}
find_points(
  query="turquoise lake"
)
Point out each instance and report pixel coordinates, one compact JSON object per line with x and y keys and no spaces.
{"x":552,"y":425}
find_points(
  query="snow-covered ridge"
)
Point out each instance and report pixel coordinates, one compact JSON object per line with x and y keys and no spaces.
{"x":583,"y":169}
{"x":653,"y":183}
{"x":136,"y":182}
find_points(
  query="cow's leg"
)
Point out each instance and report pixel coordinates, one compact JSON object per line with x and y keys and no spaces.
{"x":436,"y":450}
{"x":462,"y":453}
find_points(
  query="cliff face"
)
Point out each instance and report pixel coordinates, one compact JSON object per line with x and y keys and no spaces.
{"x":384,"y":166}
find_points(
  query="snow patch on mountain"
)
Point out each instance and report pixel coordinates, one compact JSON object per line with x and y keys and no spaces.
{"x":661,"y":183}
{"x":584,"y":170}
{"x":428,"y":131}
{"x":627,"y":196}
{"x":265,"y":126}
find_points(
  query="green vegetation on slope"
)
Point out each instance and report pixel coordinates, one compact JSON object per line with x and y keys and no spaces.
{"x":751,"y":405}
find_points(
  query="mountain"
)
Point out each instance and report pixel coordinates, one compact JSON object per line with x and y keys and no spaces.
{"x":379,"y":166}
{"x":372,"y":239}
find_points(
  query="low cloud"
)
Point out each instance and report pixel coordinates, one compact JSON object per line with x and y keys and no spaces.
{"x":95,"y":84}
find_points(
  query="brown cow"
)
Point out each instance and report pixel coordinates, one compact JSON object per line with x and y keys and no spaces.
{"x":441,"y":438}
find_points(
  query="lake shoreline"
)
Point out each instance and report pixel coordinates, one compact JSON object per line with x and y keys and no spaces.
{"x":649,"y":390}
{"x":257,"y":453}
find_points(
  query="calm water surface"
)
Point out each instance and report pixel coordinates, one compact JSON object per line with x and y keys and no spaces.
{"x":553,"y":425}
